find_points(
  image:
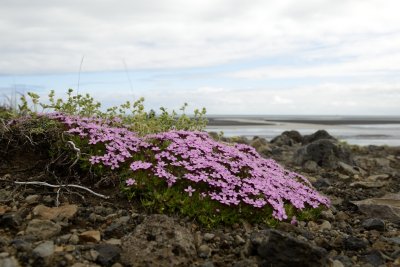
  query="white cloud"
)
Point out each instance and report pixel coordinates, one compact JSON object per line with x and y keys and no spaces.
{"x":348,"y":51}
{"x":49,"y":36}
{"x":324,"y":99}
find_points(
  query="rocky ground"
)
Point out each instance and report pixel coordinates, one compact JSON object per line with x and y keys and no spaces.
{"x":362,"y":228}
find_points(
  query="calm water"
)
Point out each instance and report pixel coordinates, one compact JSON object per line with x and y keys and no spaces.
{"x":354,"y":130}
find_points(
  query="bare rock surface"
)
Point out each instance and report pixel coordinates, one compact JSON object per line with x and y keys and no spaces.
{"x":158,"y":241}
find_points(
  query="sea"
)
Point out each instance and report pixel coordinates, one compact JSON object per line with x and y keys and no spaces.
{"x":357,"y":130}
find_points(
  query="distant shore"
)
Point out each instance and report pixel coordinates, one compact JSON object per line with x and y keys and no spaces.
{"x":258,"y":121}
{"x":358,"y":130}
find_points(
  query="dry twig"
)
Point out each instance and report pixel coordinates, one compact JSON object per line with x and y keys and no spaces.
{"x":63,"y":186}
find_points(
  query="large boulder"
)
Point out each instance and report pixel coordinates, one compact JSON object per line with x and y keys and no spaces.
{"x":327,"y":153}
{"x":318,"y":135}
{"x":288,"y":138}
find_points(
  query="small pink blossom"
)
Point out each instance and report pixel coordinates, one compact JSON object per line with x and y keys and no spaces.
{"x":190,"y":190}
{"x":294,"y":221}
{"x":130,"y":182}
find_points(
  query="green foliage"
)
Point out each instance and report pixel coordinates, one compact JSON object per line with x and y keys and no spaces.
{"x":155,"y":197}
{"x":133,"y":114}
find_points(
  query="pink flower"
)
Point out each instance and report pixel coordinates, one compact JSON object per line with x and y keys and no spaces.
{"x":190,"y":190}
{"x":130,"y":182}
{"x":294,"y":220}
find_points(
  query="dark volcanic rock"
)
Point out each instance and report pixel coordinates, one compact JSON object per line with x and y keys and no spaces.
{"x":288,"y":138}
{"x":354,"y":243}
{"x":279,"y":249}
{"x":374,"y":258}
{"x":325,"y":152}
{"x":318,"y":135}
{"x":108,"y":254}
{"x":12,"y":220}
{"x":374,"y":224}
{"x":158,"y":241}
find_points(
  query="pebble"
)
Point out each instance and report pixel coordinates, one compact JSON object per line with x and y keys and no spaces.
{"x":113,"y":241}
{"x":336,"y":263}
{"x":43,"y":229}
{"x":11,"y":220}
{"x":9,"y":262}
{"x":65,"y":212}
{"x":354,"y":243}
{"x":32,"y":199}
{"x":239,"y":240}
{"x":208,"y":236}
{"x":90,"y":236}
{"x":328,"y":215}
{"x":107,"y":254}
{"x":204,"y":251}
{"x":74,"y":239}
{"x":45,"y":249}
{"x":374,"y":224}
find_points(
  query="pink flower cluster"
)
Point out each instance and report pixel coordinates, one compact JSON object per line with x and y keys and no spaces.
{"x":233,"y":174}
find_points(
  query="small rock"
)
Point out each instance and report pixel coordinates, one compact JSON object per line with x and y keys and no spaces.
{"x":45,"y":249}
{"x":374,"y":258}
{"x":204,"y":251}
{"x":198,"y":240}
{"x":325,"y":225}
{"x":21,"y":245}
{"x":31,"y":199}
{"x":90,"y":236}
{"x":4,"y":209}
{"x":70,"y":248}
{"x":42,"y":229}
{"x":347,"y":169}
{"x":114,"y":241}
{"x":93,"y":254}
{"x":366,"y":184}
{"x":328,"y":215}
{"x":74,"y":239}
{"x":11,"y":220}
{"x":310,"y":166}
{"x":9,"y":262}
{"x":64,"y":238}
{"x":378,"y":177}
{"x":208,"y":236}
{"x":69,"y":257}
{"x":65,"y":212}
{"x":158,"y":241}
{"x":239,"y":240}
{"x":48,"y":199}
{"x":246,"y":263}
{"x":386,"y":207}
{"x":107,"y":254}
{"x":342,"y":216}
{"x":374,"y":224}
{"x":279,"y":249}
{"x":354,"y":243}
{"x":336,"y":263}
{"x":394,"y":240}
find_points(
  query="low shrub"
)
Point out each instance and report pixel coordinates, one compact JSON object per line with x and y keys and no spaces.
{"x":190,"y":173}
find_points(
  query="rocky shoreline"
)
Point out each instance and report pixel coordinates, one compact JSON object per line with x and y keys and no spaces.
{"x":362,"y":227}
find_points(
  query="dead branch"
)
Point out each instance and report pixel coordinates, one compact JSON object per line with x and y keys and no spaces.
{"x":78,"y":153}
{"x":63,"y":186}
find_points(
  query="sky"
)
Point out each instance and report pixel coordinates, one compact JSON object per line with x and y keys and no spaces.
{"x":291,"y":57}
